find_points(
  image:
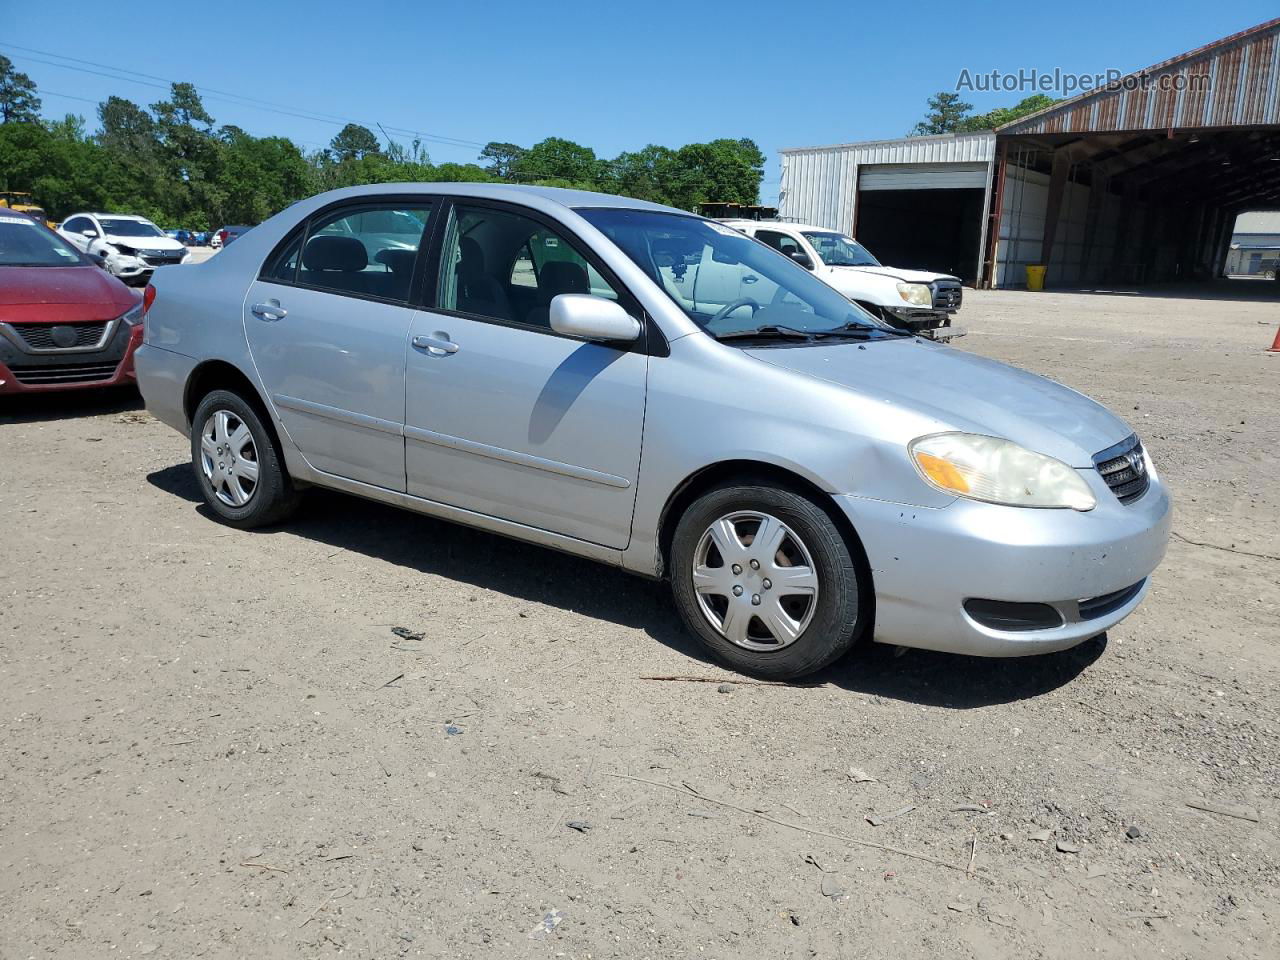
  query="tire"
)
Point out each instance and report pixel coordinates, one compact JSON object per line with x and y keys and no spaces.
{"x":804,"y":632}
{"x":240,"y":473}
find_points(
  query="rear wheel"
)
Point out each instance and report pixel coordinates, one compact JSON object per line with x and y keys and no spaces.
{"x":765,"y":579}
{"x":236,"y":464}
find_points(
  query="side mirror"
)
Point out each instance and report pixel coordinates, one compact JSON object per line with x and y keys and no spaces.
{"x":802,"y":258}
{"x":592,"y":318}
{"x":89,"y":233}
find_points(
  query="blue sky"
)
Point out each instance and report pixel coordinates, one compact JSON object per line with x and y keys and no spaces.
{"x":614,"y":76}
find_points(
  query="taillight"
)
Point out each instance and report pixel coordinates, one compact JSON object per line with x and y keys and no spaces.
{"x":148,"y":298}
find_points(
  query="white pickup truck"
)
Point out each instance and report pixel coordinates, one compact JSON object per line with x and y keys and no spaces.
{"x":914,"y":300}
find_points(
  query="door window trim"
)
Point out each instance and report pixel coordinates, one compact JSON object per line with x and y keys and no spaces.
{"x":651,"y":340}
{"x":353,"y":205}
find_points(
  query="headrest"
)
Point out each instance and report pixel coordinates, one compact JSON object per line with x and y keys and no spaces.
{"x":335,"y":253}
{"x":397,"y":261}
{"x":472,"y":255}
{"x":563,"y":276}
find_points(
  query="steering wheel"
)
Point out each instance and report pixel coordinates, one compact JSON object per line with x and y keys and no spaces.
{"x":728,"y":308}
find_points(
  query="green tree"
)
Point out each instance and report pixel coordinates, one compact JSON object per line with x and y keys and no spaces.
{"x":18,"y":100}
{"x":1002,"y":115}
{"x":189,"y":153}
{"x":563,"y":160}
{"x":503,"y":159}
{"x":354,"y":142}
{"x":722,"y":171}
{"x":946,"y":111}
{"x":643,"y":174}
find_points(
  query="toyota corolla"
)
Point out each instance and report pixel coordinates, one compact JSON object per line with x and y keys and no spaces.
{"x":550,"y":365}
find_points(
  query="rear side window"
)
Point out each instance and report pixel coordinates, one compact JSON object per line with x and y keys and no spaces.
{"x":779,"y":241}
{"x":367,"y":250}
{"x":284,"y":265}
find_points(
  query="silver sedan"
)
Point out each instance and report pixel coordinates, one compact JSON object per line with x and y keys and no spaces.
{"x":656,"y":391}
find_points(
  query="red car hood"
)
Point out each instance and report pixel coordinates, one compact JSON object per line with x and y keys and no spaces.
{"x":61,"y":295}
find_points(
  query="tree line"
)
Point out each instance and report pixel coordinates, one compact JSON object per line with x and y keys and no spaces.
{"x":949,"y":114}
{"x":172,"y":163}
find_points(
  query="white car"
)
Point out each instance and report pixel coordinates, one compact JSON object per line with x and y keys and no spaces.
{"x":915,"y":300}
{"x":132,"y":247}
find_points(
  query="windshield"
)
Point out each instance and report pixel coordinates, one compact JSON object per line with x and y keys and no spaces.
{"x":727,"y":283}
{"x":837,"y":250}
{"x":129,"y":228}
{"x":25,"y":243}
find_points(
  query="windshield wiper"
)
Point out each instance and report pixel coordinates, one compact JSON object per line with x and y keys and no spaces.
{"x":768,"y":330}
{"x":850,"y":331}
{"x":860,"y":329}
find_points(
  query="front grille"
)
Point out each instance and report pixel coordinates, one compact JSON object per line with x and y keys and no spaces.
{"x":1124,"y":469}
{"x":947,"y":296}
{"x":161,"y":260}
{"x":39,"y":336}
{"x":64,"y":373}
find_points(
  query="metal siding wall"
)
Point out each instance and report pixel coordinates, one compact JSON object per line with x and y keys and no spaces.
{"x":819,"y":184}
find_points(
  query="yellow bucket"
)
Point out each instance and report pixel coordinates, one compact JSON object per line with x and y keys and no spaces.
{"x":1035,"y":276}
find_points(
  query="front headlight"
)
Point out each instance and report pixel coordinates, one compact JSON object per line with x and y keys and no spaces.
{"x":133,"y":316}
{"x":916,"y":294}
{"x":997,"y":471}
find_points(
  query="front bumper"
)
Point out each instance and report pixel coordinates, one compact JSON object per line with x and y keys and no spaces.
{"x":925,"y":563}
{"x":110,"y":366}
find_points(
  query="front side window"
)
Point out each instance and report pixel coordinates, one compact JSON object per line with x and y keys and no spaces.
{"x":366,"y":251}
{"x":504,"y":266}
{"x":837,"y":250}
{"x":727,"y":283}
{"x":25,"y":243}
{"x":78,"y":225}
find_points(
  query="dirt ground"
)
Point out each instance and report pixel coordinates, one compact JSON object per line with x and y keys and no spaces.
{"x":214,"y":746}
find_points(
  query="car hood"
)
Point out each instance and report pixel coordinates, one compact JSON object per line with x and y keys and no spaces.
{"x":963,"y":391}
{"x":61,"y":294}
{"x":144,"y":243}
{"x":896,"y":273}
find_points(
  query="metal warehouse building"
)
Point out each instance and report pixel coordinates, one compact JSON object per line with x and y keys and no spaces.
{"x":1137,"y":182}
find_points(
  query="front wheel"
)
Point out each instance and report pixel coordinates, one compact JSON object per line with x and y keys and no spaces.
{"x":763,"y":576}
{"x":236,"y":465}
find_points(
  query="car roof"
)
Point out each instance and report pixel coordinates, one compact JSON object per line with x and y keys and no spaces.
{"x":573,"y":199}
{"x":113,"y":216}
{"x":775,"y":224}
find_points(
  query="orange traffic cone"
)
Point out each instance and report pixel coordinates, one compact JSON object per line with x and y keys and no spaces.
{"x":1275,"y":344}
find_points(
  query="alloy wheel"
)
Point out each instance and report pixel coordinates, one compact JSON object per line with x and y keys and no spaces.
{"x":755,"y":580}
{"x":229,"y":458}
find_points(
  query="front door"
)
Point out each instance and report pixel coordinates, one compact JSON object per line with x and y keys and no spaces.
{"x":505,"y":417}
{"x":328,"y":322}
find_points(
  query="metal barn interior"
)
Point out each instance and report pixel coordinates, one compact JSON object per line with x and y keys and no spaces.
{"x":1139,"y":182}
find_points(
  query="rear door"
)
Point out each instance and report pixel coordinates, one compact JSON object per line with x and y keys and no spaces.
{"x":328,"y":322}
{"x":504,"y":416}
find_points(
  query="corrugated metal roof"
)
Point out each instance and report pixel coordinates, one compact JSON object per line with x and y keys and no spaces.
{"x":1234,"y":81}
{"x":944,"y":148}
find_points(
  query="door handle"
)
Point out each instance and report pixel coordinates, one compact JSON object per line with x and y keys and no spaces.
{"x":438,"y":344}
{"x":269,"y":311}
{"x":749,"y":279}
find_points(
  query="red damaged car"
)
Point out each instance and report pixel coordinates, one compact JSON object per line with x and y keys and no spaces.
{"x":65,"y":323}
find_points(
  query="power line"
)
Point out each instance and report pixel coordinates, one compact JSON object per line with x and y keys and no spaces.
{"x":151,"y":80}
